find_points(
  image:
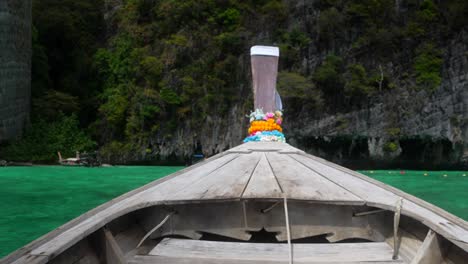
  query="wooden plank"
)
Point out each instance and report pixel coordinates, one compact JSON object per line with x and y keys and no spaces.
{"x":129,"y":238}
{"x":227,"y":219}
{"x":174,"y":189}
{"x":31,"y":259}
{"x":309,"y":220}
{"x":175,"y":260}
{"x":265,"y":147}
{"x":227,"y":182}
{"x":455,"y":255}
{"x":263,"y":183}
{"x":409,"y":244}
{"x":299,"y":182}
{"x":221,"y":218}
{"x":376,"y":195}
{"x":83,"y":252}
{"x":273,"y":252}
{"x":438,"y":223}
{"x":432,"y":250}
{"x":356,"y":186}
{"x":462,"y":223}
{"x":113,"y":252}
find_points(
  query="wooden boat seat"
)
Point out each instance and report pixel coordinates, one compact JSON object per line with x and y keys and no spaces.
{"x":178,"y":251}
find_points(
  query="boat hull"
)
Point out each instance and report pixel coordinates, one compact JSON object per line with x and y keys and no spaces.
{"x":254,"y":193}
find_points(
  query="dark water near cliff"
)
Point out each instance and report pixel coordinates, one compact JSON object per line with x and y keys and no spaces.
{"x":35,"y":200}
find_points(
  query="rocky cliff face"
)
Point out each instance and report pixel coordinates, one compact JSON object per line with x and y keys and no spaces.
{"x":429,"y":129}
{"x":15,"y":66}
{"x":400,"y":126}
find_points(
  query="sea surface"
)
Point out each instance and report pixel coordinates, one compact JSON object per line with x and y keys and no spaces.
{"x":36,"y":200}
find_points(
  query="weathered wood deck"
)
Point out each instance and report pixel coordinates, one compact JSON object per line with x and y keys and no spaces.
{"x":193,"y":251}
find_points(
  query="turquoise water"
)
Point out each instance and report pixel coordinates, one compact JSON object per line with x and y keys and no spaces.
{"x":446,"y":189}
{"x":36,"y":200}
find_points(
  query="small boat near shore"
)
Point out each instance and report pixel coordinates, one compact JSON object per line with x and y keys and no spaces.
{"x":263,"y":201}
{"x":85,"y":159}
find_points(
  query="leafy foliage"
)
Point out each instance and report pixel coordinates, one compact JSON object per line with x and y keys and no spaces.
{"x":390,"y":147}
{"x":330,"y":25}
{"x":427,"y":66}
{"x":299,"y":91}
{"x":41,"y":142}
{"x":357,"y":83}
{"x":294,"y":44}
{"x":329,"y":75}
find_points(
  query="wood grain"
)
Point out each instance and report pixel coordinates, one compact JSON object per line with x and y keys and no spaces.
{"x":299,"y":182}
{"x":273,"y":252}
{"x":263,"y":183}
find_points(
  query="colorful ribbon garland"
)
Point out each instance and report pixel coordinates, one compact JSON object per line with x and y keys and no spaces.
{"x":265,"y":127}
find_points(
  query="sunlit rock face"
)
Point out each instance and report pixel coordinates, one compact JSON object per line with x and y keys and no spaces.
{"x":15,"y":66}
{"x":432,"y":128}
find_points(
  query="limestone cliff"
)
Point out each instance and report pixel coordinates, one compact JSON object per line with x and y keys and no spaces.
{"x":397,"y":127}
{"x":15,"y":66}
{"x":431,"y":128}
{"x":400,"y":97}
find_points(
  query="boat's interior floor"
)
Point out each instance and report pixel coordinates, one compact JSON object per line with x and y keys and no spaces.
{"x":178,"y":251}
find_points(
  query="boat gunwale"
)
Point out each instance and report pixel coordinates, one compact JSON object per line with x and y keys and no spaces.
{"x":441,"y":212}
{"x":417,"y":201}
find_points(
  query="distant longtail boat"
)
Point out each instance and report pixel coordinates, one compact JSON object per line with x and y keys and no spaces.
{"x":76,"y":161}
{"x":263,"y":201}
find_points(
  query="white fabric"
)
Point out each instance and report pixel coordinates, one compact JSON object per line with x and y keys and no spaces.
{"x":264,"y":50}
{"x":278,"y":102}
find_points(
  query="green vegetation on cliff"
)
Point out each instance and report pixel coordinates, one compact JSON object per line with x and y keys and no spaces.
{"x":44,"y":138}
{"x":136,"y":73}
